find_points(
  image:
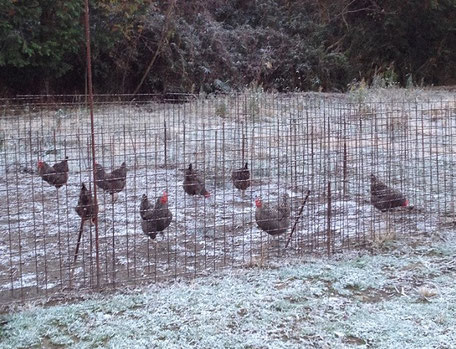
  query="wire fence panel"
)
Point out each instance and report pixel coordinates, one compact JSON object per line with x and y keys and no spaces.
{"x":292,"y":143}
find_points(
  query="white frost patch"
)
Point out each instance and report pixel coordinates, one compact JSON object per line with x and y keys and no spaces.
{"x":370,"y":301}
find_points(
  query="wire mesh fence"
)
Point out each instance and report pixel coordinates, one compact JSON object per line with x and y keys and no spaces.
{"x":292,"y":143}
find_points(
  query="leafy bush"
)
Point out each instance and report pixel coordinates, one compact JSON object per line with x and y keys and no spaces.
{"x":220,"y":46}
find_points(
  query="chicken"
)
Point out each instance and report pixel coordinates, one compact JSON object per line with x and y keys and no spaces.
{"x":86,"y":208}
{"x":241,"y":178}
{"x":57,"y":175}
{"x":113,"y":182}
{"x":385,"y":198}
{"x":193,"y":185}
{"x":273,"y":220}
{"x":156,"y":218}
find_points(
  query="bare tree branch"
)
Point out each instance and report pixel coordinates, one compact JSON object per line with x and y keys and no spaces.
{"x":163,"y":39}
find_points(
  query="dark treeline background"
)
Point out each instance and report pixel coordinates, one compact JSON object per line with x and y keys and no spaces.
{"x":219,"y":45}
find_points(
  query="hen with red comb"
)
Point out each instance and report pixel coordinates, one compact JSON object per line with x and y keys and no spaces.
{"x":155,"y":218}
{"x":56,"y":175}
{"x":274,"y":220}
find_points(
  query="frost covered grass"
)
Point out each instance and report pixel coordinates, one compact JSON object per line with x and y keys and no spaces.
{"x":374,"y":301}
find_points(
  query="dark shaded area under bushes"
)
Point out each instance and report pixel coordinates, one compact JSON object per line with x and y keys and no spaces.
{"x":220,"y":46}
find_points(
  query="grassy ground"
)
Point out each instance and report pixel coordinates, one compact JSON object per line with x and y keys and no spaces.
{"x":400,"y":296}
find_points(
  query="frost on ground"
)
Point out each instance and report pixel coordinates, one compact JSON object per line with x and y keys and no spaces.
{"x":401,"y":296}
{"x":293,"y":142}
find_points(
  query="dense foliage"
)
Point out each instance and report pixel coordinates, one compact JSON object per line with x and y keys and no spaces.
{"x":195,"y":45}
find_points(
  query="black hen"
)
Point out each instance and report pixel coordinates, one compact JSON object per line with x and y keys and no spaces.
{"x":385,"y":198}
{"x":193,"y":184}
{"x":56,"y":175}
{"x":241,"y":178}
{"x":113,"y":182}
{"x":86,"y":208}
{"x":273,"y":220}
{"x":156,"y":218}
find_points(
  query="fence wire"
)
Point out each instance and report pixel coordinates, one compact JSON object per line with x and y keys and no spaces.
{"x":292,"y":143}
